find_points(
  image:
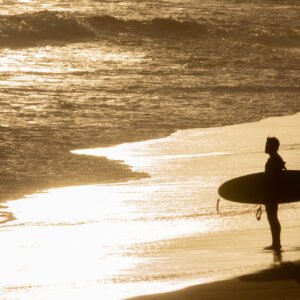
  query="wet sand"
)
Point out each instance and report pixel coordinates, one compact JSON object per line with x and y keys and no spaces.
{"x":275,"y":276}
{"x":282,"y":282}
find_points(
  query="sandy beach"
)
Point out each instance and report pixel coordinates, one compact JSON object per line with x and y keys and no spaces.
{"x":280,"y":282}
{"x":273,"y":276}
{"x":160,"y":233}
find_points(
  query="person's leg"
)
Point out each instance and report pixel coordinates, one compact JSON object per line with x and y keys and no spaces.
{"x":272,"y":214}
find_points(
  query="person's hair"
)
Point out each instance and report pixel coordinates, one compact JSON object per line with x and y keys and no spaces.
{"x":273,"y":142}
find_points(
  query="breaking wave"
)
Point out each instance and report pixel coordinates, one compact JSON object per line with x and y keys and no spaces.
{"x":157,"y":27}
{"x":32,"y":28}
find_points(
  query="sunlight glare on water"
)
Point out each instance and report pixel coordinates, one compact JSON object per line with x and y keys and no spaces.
{"x":71,"y":58}
{"x":99,"y":230}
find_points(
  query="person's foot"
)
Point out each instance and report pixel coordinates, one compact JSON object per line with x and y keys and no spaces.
{"x":273,"y":247}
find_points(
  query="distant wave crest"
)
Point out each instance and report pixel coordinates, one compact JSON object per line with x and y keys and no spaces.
{"x":159,"y":27}
{"x":59,"y":26}
{"x":276,"y":36}
{"x":281,"y":35}
{"x":45,"y":25}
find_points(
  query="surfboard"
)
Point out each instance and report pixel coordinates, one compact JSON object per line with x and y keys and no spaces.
{"x":252,"y":188}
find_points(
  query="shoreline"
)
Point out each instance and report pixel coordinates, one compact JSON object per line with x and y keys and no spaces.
{"x":155,"y":234}
{"x":84,"y":169}
{"x":72,"y":170}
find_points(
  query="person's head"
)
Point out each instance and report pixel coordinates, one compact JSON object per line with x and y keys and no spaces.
{"x":272,"y":145}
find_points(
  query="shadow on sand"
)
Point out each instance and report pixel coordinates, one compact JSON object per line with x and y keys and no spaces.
{"x":282,"y":281}
{"x":285,"y":271}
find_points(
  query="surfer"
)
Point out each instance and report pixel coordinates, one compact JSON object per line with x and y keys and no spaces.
{"x":273,"y":171}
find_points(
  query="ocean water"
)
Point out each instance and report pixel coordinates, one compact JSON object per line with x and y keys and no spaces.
{"x":86,"y":74}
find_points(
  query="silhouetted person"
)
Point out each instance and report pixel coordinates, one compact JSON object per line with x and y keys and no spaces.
{"x":273,"y":173}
